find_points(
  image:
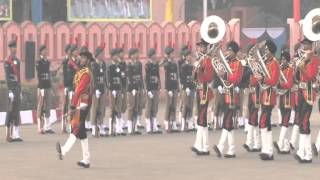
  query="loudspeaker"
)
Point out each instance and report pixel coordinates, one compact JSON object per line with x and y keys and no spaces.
{"x":30,"y":56}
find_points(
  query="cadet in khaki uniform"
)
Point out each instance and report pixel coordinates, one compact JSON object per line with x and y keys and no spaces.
{"x":153,"y":84}
{"x":44,"y":92}
{"x":134,"y":90}
{"x":98,"y":107}
{"x":114,"y":86}
{"x":171,"y":85}
{"x":188,"y":92}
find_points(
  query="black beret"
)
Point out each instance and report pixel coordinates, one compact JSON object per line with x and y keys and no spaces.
{"x":271,"y":46}
{"x":184,"y":47}
{"x":168,"y":50}
{"x":12,"y":43}
{"x":286,"y":55}
{"x":186,"y":52}
{"x":86,"y":54}
{"x":306,"y":41}
{"x":202,"y":42}
{"x":67,"y":48}
{"x":113,"y":52}
{"x":233,"y":46}
{"x":73,"y":48}
{"x":151,"y":52}
{"x":84,"y":49}
{"x":133,"y":51}
{"x":42,"y":47}
{"x":99,"y":50}
{"x":120,"y":50}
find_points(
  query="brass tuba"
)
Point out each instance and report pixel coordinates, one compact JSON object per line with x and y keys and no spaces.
{"x":311,"y":25}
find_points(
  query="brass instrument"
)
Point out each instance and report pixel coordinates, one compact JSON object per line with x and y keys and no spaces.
{"x":282,"y":79}
{"x":311,"y":25}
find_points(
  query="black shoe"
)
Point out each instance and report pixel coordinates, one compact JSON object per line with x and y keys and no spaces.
{"x":104,"y":135}
{"x":157,"y":132}
{"x":202,"y":153}
{"x":58,"y":148}
{"x":195,"y":150}
{"x":315,"y":150}
{"x":140,"y":127}
{"x":256,"y":150}
{"x":246,"y":147}
{"x":298,"y":158}
{"x":17,"y":140}
{"x":82,"y":164}
{"x":266,"y":157}
{"x":306,"y":161}
{"x":291,"y":147}
{"x":137,"y":133}
{"x":49,"y":131}
{"x":229,"y":156}
{"x":284,"y":152}
{"x":275,"y":144}
{"x":274,"y":125}
{"x":216,"y":149}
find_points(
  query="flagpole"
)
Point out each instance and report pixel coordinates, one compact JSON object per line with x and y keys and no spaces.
{"x":205,"y":8}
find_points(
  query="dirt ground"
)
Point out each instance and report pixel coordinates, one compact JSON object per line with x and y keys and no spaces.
{"x":165,"y":156}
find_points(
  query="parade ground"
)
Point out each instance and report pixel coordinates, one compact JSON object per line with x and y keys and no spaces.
{"x":162,"y":157}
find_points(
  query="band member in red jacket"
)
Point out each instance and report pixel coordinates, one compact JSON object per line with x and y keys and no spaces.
{"x":231,"y":100}
{"x":253,"y":141}
{"x":286,"y":102}
{"x":307,"y":70}
{"x":80,"y":106}
{"x":268,"y":97}
{"x":203,"y":74}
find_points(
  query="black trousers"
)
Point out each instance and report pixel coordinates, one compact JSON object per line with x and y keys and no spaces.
{"x":78,"y":125}
{"x":305,"y":111}
{"x":265,"y":118}
{"x":13,"y":114}
{"x":202,"y":112}
{"x":253,"y":112}
{"x":285,"y":112}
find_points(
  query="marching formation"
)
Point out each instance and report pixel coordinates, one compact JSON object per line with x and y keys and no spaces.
{"x":217,"y":89}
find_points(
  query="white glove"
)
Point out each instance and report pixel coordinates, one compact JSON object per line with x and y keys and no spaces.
{"x":187,"y":91}
{"x":134,"y":92}
{"x":220,"y":89}
{"x":150,"y":94}
{"x":11,"y":96}
{"x":83,"y":105}
{"x":170,"y":93}
{"x":70,"y":95}
{"x":237,"y":89}
{"x":65,"y":91}
{"x":42,"y":92}
{"x":114,"y":93}
{"x":98,"y":93}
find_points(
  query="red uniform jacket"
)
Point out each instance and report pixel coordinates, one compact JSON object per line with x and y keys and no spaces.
{"x":204,"y":76}
{"x":254,"y":90}
{"x":269,"y":96}
{"x":231,"y":97}
{"x":288,"y":98}
{"x":308,"y":75}
{"x":83,"y":87}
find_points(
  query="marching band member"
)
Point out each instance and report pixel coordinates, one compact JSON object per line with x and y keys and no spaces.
{"x":134,"y":91}
{"x":123,"y":69}
{"x":188,"y":92}
{"x":286,"y":103}
{"x":171,"y":85}
{"x":268,"y":98}
{"x":203,"y":75}
{"x":12,"y":73}
{"x":80,"y":106}
{"x":98,"y":107}
{"x":44,"y":92}
{"x":153,"y":85}
{"x":231,"y":101}
{"x":253,"y":139}
{"x":308,"y":69}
